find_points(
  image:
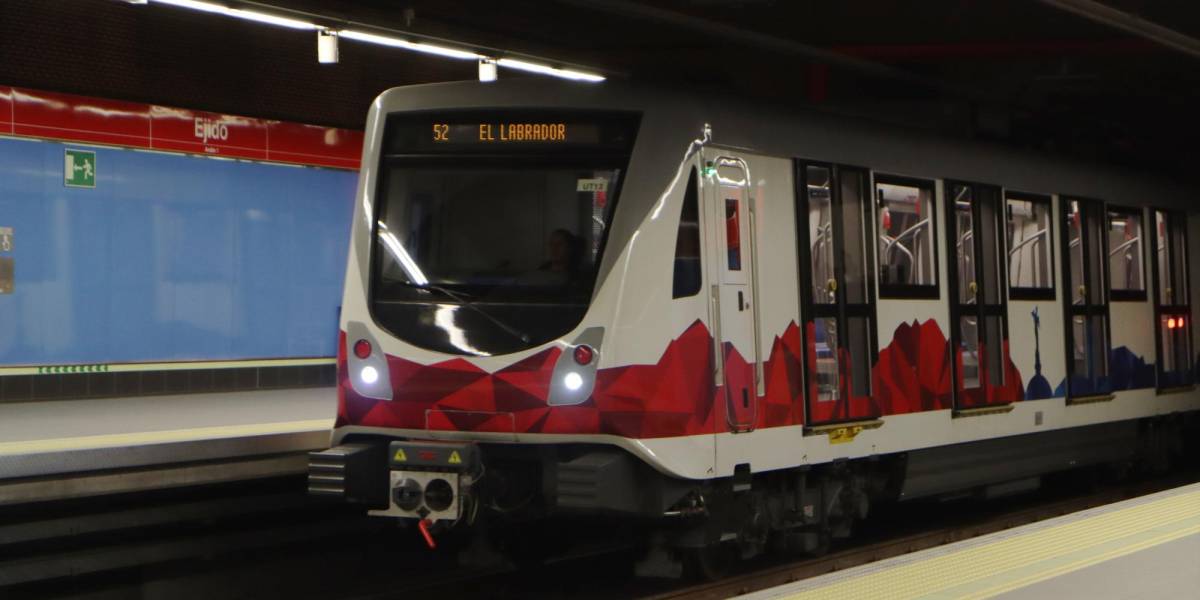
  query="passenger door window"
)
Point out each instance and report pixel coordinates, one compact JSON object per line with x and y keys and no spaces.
{"x":979,"y":330}
{"x":1087,"y":331}
{"x":839,"y":312}
{"x":1172,"y":308}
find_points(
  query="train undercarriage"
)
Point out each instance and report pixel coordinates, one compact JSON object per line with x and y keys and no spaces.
{"x":460,"y":489}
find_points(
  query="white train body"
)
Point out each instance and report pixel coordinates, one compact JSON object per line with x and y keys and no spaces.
{"x":819,"y":300}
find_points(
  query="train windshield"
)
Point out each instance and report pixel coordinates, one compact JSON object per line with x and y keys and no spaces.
{"x":489,"y":230}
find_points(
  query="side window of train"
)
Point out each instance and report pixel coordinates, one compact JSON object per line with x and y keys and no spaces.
{"x":1126,"y":280}
{"x":687,"y":243}
{"x":1172,"y":306}
{"x":907,"y":247}
{"x":1030,"y":250}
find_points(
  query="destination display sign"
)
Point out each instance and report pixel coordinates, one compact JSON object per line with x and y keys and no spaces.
{"x":508,"y":133}
{"x":520,"y":132}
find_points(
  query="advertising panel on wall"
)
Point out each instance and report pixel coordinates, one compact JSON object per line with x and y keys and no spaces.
{"x":161,"y":239}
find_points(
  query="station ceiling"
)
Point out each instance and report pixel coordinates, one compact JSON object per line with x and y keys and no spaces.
{"x":1117,"y":81}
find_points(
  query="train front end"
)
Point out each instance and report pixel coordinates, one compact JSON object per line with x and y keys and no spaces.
{"x":473,"y":324}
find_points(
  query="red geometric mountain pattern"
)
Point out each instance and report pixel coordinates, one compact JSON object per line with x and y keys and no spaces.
{"x":675,"y":396}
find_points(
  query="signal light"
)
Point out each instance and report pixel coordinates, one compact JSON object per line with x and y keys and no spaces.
{"x":584,"y":355}
{"x":362,"y":349}
{"x":1171,"y":323}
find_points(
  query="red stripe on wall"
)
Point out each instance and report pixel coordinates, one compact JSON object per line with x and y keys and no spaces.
{"x":81,"y":119}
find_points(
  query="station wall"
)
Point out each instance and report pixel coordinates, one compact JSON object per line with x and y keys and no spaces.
{"x":169,"y":257}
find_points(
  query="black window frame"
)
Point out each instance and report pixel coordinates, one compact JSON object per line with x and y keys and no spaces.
{"x":1167,"y":310}
{"x":893,"y":291}
{"x":1088,"y":309}
{"x":1030,"y":293}
{"x":842,"y":310}
{"x":982,"y":309}
{"x":1115,"y":295}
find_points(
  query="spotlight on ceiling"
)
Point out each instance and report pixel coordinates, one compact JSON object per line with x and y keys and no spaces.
{"x":327,"y":47}
{"x":487,"y":69}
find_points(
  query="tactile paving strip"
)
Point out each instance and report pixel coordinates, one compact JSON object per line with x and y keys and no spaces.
{"x":1008,"y":560}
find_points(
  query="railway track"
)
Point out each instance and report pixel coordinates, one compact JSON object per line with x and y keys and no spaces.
{"x":266,"y":539}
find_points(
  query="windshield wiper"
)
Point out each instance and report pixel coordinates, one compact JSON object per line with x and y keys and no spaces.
{"x":468,"y":302}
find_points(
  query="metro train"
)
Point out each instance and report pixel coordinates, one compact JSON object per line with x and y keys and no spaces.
{"x":741,"y":326}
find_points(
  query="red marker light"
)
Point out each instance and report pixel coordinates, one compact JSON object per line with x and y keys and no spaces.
{"x":584,"y":355}
{"x":362,"y":348}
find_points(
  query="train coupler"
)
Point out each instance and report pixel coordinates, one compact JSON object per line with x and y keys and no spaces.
{"x":431,"y":481}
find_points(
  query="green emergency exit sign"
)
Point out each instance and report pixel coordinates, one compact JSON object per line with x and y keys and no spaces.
{"x":79,"y":169}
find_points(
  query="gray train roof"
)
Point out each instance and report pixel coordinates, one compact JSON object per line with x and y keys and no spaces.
{"x":671,"y":120}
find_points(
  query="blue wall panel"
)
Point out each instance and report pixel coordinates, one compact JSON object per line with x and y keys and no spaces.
{"x":170,"y":257}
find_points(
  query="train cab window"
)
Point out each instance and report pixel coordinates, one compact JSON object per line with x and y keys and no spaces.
{"x":907,"y":246}
{"x":490,"y":225}
{"x":687,"y":244}
{"x":1125,"y":277}
{"x":1171,"y":303}
{"x":1030,"y":270}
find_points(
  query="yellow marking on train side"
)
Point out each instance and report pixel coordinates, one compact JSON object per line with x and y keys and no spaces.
{"x":143,"y":438}
{"x":1019,"y":559}
{"x":400,"y":456}
{"x":454,"y":459}
{"x":843,"y":435}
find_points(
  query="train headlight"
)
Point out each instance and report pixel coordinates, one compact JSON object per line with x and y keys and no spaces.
{"x":366,"y":364}
{"x":575,"y":369}
{"x":573,"y":381}
{"x":369,"y":375}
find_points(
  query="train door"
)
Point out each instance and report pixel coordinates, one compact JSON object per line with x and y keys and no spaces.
{"x":978,"y":315}
{"x":1087,"y":330}
{"x":730,"y":206}
{"x":836,"y":292}
{"x":1172,"y":308}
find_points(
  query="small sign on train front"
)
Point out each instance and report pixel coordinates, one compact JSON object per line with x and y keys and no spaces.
{"x":79,"y":169}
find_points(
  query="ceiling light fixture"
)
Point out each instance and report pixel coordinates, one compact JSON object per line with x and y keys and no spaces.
{"x":327,"y":42}
{"x":327,"y":47}
{"x":381,"y":40}
{"x":487,"y":70}
{"x":521,"y":65}
{"x":248,"y":15}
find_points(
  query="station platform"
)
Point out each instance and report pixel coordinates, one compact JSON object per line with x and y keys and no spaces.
{"x":1147,"y":547}
{"x":72,"y":448}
